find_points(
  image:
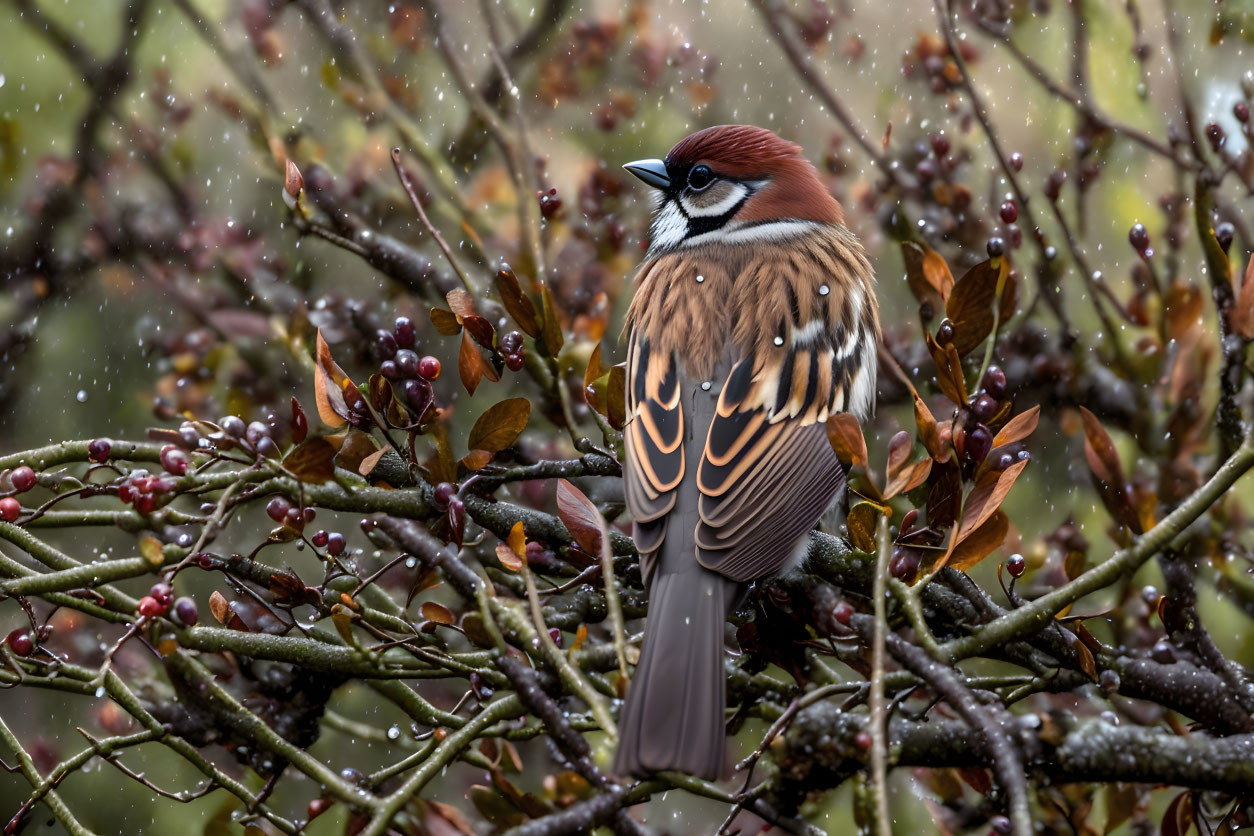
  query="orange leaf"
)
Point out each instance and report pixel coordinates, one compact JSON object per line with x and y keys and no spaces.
{"x":927,"y":274}
{"x":980,"y":543}
{"x":1019,"y":427}
{"x":861,"y":523}
{"x":460,"y":302}
{"x":518,"y":304}
{"x":1107,"y":472}
{"x":949,"y":375}
{"x":507,"y":557}
{"x":580,"y":516}
{"x":369,"y":463}
{"x":991,"y":487}
{"x":312,"y":462}
{"x":219,"y":606}
{"x":471,"y":365}
{"x":477,"y":459}
{"x":446,"y":322}
{"x":846,"y":438}
{"x":551,"y":331}
{"x":518,"y":539}
{"x":438,"y":613}
{"x":929,"y":431}
{"x":909,"y":478}
{"x":328,"y":386}
{"x":970,"y":306}
{"x":898,"y":452}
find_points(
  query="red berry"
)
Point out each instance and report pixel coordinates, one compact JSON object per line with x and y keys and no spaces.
{"x":514,"y":362}
{"x":1015,"y":564}
{"x":442,"y":494}
{"x":20,"y":642}
{"x":1009,"y":212}
{"x":318,"y":806}
{"x":1215,"y":134}
{"x":150,"y":607}
{"x":336,"y":544}
{"x":98,"y":451}
{"x":862,"y":740}
{"x":10,"y":509}
{"x":1016,"y":162}
{"x":940,"y":144}
{"x":843,"y":613}
{"x":1241,"y":110}
{"x":175,"y":460}
{"x":185,"y":609}
{"x":429,"y":367}
{"x":320,"y":538}
{"x":23,"y":478}
{"x":277,"y":508}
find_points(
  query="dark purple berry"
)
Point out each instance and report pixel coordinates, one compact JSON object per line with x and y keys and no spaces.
{"x":940,"y":144}
{"x":277,"y":508}
{"x":163,"y":592}
{"x":367,"y":526}
{"x":996,"y":247}
{"x":556,"y":635}
{"x":429,"y":367}
{"x":995,"y":382}
{"x":1108,"y":681}
{"x":1224,"y":234}
{"x":185,"y":609}
{"x":20,"y":642}
{"x":23,"y":478}
{"x":1005,"y":460}
{"x":266,"y":447}
{"x":1053,"y":185}
{"x":307,"y":515}
{"x":985,"y":408}
{"x":1009,"y":212}
{"x":405,"y":332}
{"x":385,"y":344}
{"x":256,"y":431}
{"x":98,"y":451}
{"x":945,"y":333}
{"x":863,"y":740}
{"x":336,"y":544}
{"x":1000,"y":824}
{"x":319,"y":538}
{"x":407,"y":363}
{"x":843,"y":613}
{"x":1015,"y":564}
{"x":514,"y":361}
{"x":442,"y":494}
{"x":234,"y":426}
{"x":1215,"y":135}
{"x":1016,"y":162}
{"x":390,"y":370}
{"x":979,"y":443}
{"x":511,"y":342}
{"x":926,"y":169}
{"x":1163,"y":653}
{"x":457,"y":516}
{"x":417,"y":394}
{"x":1138,"y":237}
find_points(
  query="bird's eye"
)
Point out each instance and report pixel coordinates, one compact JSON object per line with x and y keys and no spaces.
{"x":700,"y":177}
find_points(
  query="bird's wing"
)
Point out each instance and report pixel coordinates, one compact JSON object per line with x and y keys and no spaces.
{"x":653,"y":438}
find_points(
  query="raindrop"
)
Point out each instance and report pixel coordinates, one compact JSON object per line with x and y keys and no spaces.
{"x":81,"y":397}
{"x":394,"y":733}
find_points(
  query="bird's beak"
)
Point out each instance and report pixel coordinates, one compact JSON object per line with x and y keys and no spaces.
{"x":652,"y":172}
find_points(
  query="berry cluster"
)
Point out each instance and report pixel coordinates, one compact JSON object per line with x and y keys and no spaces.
{"x":410,"y":374}
{"x":285,"y":513}
{"x":446,"y":499}
{"x":974,"y":441}
{"x":512,"y":350}
{"x":159,"y":600}
{"x":550,"y":204}
{"x":22,"y":479}
{"x":143,"y":490}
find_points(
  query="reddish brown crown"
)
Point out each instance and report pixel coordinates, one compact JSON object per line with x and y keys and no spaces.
{"x":746,"y":152}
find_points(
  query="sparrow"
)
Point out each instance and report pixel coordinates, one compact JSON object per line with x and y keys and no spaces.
{"x":754,"y":320}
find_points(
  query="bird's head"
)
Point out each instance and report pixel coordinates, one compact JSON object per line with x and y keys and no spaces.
{"x":733,"y":184}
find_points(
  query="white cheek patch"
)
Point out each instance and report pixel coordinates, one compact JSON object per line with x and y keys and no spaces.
{"x":735,"y":193}
{"x":669,"y":226}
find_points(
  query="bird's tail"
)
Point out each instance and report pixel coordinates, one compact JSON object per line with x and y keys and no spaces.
{"x":673,"y":716}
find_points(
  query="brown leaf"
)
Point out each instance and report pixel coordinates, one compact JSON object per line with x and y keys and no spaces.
{"x":861,"y":522}
{"x":1183,"y":307}
{"x":440,"y":466}
{"x":980,"y":543}
{"x":908,"y":478}
{"x":846,"y":439}
{"x":299,"y":423}
{"x":616,"y":389}
{"x":927,"y":274}
{"x":480,"y":329}
{"x":328,"y":386}
{"x":507,"y":557}
{"x":1178,"y":819}
{"x":380,"y":393}
{"x":580,"y":516}
{"x":477,"y":459}
{"x":991,"y":487}
{"x":929,"y":431}
{"x":460,"y":302}
{"x":1019,"y":427}
{"x":1242,"y":316}
{"x":945,"y":495}
{"x":898,"y":452}
{"x":471,"y":365}
{"x":551,"y":332}
{"x":312,"y":462}
{"x":949,"y":376}
{"x":978,"y":778}
{"x":355,"y":447}
{"x":343,"y":621}
{"x":220,"y":607}
{"x":438,"y":613}
{"x":970,"y":306}
{"x":1107,"y":472}
{"x":594,"y":372}
{"x":500,"y":425}
{"x":446,"y":322}
{"x":516,"y":302}
{"x":1122,"y":801}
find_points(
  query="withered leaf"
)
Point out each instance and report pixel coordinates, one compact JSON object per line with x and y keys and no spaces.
{"x":355,"y":447}
{"x":580,"y":516}
{"x":980,"y":543}
{"x":440,"y":466}
{"x":369,"y":463}
{"x":438,"y":613}
{"x":929,"y":431}
{"x":219,"y":607}
{"x":446,"y":322}
{"x":593,"y":373}
{"x":151,"y":550}
{"x":1019,"y":427}
{"x":471,"y":365}
{"x":460,"y":302}
{"x":991,"y":487}
{"x":518,"y":539}
{"x":970,"y":306}
{"x":1243,"y":308}
{"x":944,"y":498}
{"x":1107,"y":472}
{"x":1183,"y":305}
{"x":846,"y":439}
{"x":500,"y":425}
{"x":516,"y":302}
{"x":312,"y":462}
{"x":861,"y":522}
{"x":343,"y":621}
{"x":329,"y":381}
{"x":477,"y":459}
{"x":551,"y":331}
{"x":507,"y":557}
{"x":616,"y":389}
{"x":949,"y":376}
